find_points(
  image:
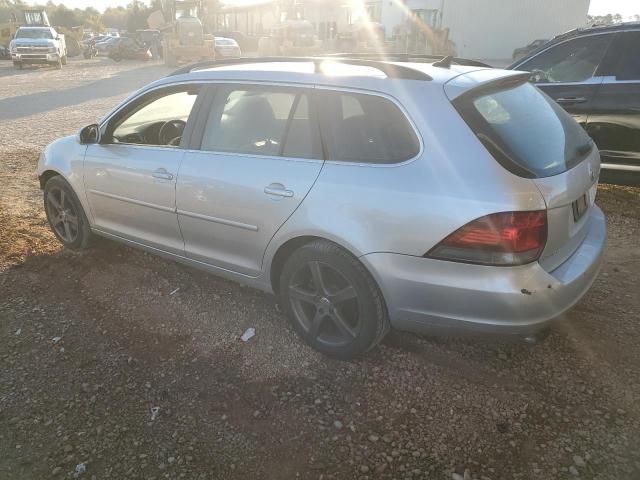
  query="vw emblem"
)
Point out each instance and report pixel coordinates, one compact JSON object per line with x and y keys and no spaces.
{"x":592,"y":174}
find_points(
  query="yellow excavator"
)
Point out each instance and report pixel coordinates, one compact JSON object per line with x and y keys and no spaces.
{"x":184,"y":40}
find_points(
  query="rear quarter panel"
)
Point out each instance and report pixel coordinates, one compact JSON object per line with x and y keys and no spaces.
{"x":408,"y":208}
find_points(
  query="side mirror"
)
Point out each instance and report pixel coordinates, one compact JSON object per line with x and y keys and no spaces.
{"x":90,"y":134}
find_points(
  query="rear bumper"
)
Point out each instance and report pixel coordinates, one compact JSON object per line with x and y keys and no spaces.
{"x":425,"y":295}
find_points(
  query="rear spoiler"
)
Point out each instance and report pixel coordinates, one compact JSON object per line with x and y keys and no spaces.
{"x":487,"y":81}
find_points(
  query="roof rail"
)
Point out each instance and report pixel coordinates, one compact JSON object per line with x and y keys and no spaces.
{"x":411,"y":57}
{"x":390,"y":69}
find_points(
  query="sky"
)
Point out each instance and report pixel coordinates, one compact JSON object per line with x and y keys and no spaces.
{"x":598,"y":7}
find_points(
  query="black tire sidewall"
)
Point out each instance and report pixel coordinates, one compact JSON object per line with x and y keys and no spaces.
{"x":371,"y":306}
{"x":84,"y":230}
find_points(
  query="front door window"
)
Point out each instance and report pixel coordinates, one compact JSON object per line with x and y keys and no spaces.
{"x":159,"y":119}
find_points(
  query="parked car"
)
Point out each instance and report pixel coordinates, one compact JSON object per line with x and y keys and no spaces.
{"x":594,"y":73}
{"x":523,"y":51}
{"x":227,"y":47}
{"x":129,"y":49}
{"x":38,"y":45}
{"x":365,"y":194}
{"x":104,"y":47}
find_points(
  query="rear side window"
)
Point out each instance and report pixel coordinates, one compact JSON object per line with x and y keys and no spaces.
{"x":262,"y":121}
{"x":365,"y":128}
{"x":573,"y":61}
{"x":525,"y":130}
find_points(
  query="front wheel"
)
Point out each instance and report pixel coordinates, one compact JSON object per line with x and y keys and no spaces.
{"x":332,"y":301}
{"x":65,"y":214}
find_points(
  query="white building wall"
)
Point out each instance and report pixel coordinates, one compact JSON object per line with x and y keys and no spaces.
{"x":492,"y":29}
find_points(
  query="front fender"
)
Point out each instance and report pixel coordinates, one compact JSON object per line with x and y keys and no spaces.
{"x":65,"y":157}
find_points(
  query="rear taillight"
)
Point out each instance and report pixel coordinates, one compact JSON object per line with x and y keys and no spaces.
{"x":508,"y":238}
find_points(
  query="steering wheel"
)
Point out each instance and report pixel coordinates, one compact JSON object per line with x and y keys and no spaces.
{"x":539,"y":76}
{"x":171,"y":132}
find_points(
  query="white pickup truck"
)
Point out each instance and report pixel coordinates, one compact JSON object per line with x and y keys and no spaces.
{"x":32,"y":45}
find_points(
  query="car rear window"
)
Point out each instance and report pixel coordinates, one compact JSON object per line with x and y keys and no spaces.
{"x":525,"y":130}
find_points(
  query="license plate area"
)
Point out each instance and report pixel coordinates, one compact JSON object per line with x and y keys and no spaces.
{"x":580,"y":206}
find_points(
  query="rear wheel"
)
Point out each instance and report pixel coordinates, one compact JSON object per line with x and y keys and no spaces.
{"x":332,"y":301}
{"x":65,"y":214}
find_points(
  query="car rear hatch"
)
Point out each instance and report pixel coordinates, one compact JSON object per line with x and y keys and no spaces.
{"x":533,"y":137}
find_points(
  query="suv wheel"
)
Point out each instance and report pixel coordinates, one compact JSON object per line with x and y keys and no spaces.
{"x":332,"y":301}
{"x":65,"y":214}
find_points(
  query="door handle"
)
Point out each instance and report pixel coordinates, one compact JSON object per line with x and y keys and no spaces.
{"x":571,"y":100}
{"x":278,"y":190}
{"x":162,"y":174}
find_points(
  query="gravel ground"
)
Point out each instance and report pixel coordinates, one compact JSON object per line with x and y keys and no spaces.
{"x":118,"y":364}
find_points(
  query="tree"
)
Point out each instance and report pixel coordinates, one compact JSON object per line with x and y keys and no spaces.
{"x":606,"y":19}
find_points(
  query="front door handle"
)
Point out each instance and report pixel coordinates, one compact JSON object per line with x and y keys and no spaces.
{"x":571,"y":100}
{"x":162,"y":174}
{"x":278,"y":190}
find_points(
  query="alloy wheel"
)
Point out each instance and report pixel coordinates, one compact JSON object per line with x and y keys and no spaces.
{"x":62,"y":214}
{"x":325,"y":304}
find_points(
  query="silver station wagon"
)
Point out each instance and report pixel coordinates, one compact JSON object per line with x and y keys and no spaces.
{"x":365,"y":194}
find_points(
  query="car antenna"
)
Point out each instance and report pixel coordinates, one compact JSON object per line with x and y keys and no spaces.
{"x":444,"y":63}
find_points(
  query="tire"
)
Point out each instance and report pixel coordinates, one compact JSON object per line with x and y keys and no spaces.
{"x":18,"y":65}
{"x":58,"y":64}
{"x":343,"y":318}
{"x":74,"y":236}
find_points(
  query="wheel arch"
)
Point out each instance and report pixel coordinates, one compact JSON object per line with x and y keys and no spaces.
{"x":284,"y":251}
{"x":47,"y":175}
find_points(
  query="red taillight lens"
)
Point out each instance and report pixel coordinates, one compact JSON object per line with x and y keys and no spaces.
{"x":508,"y":238}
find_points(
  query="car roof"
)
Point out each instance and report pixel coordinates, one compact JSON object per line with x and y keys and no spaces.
{"x":333,"y":71}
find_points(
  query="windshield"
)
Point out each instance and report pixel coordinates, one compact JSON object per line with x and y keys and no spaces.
{"x":526,"y":131}
{"x":34,"y":33}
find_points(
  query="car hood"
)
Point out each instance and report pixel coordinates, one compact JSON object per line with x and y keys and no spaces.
{"x":32,"y":42}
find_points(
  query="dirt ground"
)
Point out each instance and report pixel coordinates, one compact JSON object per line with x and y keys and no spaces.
{"x":118,"y":364}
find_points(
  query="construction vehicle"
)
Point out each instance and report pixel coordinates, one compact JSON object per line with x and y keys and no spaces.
{"x":363,"y":36}
{"x":292,"y":36}
{"x":184,"y":40}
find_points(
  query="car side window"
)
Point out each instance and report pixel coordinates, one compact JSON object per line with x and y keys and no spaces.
{"x":366,"y":128}
{"x":158,"y":119}
{"x":262,"y":121}
{"x":573,"y":61}
{"x":624,"y":63}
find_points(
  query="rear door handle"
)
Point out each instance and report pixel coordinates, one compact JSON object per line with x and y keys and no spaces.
{"x":278,"y":190}
{"x":571,"y":100}
{"x":162,"y":174}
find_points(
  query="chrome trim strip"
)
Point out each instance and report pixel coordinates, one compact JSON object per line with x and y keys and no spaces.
{"x":132,"y":201}
{"x":617,"y":166}
{"x":222,"y":221}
